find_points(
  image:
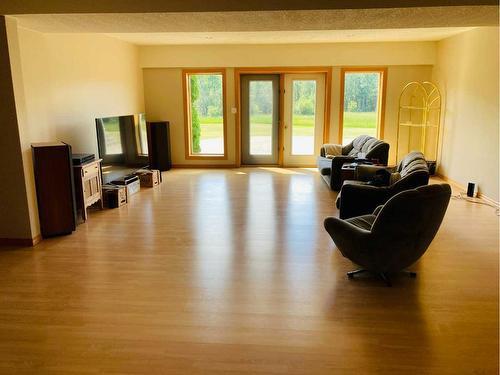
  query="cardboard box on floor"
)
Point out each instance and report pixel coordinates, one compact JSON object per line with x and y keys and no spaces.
{"x":150,"y":178}
{"x":114,"y":195}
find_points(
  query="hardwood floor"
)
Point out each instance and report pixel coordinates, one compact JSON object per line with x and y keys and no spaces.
{"x":231,"y":272}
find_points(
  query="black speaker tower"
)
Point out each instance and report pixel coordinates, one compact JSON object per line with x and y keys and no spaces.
{"x":159,"y":145}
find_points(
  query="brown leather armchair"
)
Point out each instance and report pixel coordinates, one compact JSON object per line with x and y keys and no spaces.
{"x":395,"y":235}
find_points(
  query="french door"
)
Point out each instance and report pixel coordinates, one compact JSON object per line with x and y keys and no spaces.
{"x":289,"y":133}
{"x":304,"y":103}
{"x":260,"y":119}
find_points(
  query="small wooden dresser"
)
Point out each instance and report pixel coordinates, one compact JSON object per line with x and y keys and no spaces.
{"x":88,"y":186}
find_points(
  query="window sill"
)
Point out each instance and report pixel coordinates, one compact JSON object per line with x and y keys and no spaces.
{"x":206,"y":157}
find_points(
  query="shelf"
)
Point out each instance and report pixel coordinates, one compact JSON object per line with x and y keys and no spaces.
{"x":417,"y":125}
{"x":412,"y":107}
{"x":419,"y":108}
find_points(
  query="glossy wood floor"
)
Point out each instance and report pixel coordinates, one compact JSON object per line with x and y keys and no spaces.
{"x":231,"y":272}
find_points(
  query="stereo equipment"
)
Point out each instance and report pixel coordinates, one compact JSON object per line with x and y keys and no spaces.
{"x":159,"y":145}
{"x":125,"y":180}
{"x":131,"y":183}
{"x":79,"y":159}
{"x":432,"y":167}
{"x":472,"y":189}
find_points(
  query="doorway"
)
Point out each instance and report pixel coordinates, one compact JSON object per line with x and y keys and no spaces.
{"x":260,"y":119}
{"x":284,"y":115}
{"x":304,"y":109}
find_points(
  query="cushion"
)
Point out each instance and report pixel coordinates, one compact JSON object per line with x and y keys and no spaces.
{"x":364,"y":222}
{"x":332,"y":150}
{"x":363,"y":143}
{"x":412,"y":162}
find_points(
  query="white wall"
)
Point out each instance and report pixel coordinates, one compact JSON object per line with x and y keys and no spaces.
{"x":467,"y":73}
{"x":62,"y":83}
{"x":163,"y":78}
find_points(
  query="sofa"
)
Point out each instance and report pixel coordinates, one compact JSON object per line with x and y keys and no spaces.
{"x":359,"y":197}
{"x":395,"y":235}
{"x":330,"y":165}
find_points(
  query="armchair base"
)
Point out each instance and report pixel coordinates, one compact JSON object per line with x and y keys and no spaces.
{"x":383,"y":275}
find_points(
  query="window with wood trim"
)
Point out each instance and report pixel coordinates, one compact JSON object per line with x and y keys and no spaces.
{"x":141,"y":134}
{"x":205,"y":113}
{"x":362,"y":103}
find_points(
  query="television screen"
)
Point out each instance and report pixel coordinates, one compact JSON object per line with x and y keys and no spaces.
{"x":123,"y":145}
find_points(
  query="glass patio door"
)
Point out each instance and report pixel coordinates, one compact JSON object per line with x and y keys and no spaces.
{"x":304,"y":103}
{"x":259,"y":119}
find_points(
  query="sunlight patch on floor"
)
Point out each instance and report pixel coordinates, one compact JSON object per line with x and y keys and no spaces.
{"x":280,"y":170}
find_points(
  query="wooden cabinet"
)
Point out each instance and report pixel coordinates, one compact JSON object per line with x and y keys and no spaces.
{"x":88,"y":186}
{"x":54,"y":188}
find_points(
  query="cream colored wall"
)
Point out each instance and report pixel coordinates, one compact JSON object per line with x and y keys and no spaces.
{"x":395,"y":53}
{"x":164,"y":101}
{"x":62,"y":83}
{"x":91,"y":76}
{"x":14,"y":211}
{"x":163,"y":84}
{"x":467,"y":73}
{"x":32,"y":99}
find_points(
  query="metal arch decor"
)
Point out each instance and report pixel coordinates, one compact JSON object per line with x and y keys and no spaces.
{"x":420,"y":113}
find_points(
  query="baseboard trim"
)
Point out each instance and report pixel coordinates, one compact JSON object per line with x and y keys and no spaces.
{"x":259,"y":166}
{"x":37,"y":239}
{"x":464,"y":189}
{"x":451,"y":182}
{"x":298,"y":166}
{"x":489,"y":200}
{"x":232,"y":166}
{"x":202,"y":166}
{"x":21,"y":242}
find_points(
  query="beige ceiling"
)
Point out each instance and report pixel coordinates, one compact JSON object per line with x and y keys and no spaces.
{"x":280,"y":37}
{"x":252,"y":21}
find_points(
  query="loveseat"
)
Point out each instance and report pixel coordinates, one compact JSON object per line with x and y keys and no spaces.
{"x":330,"y":165}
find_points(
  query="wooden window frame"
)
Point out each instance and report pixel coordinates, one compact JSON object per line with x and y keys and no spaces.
{"x":186,"y":73}
{"x":380,"y":102}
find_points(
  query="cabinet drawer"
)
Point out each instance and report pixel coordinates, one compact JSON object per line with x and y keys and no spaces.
{"x":90,"y":170}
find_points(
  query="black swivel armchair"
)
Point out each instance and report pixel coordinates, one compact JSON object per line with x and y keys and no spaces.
{"x":395,"y":235}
